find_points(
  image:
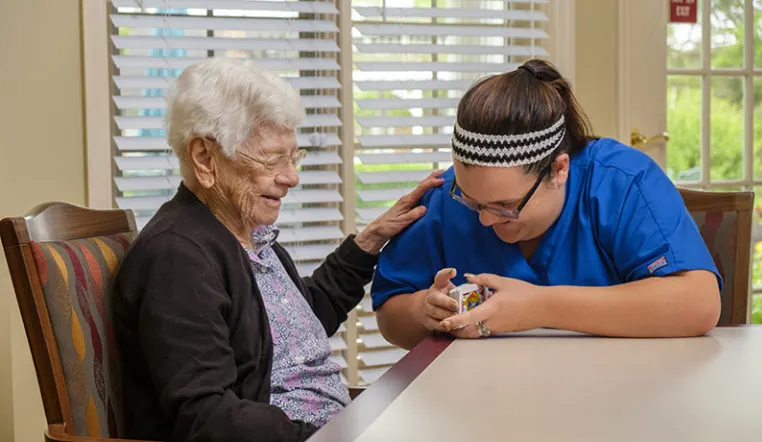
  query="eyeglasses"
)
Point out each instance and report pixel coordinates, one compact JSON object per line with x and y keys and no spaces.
{"x":277,"y":163}
{"x":502,"y":212}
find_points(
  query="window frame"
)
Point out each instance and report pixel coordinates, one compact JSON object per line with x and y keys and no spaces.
{"x":748,"y":73}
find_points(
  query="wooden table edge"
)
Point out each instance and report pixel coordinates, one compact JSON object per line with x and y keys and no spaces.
{"x":351,"y":422}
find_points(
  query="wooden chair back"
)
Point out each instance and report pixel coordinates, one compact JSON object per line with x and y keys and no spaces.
{"x":41,"y":248}
{"x":724,"y":220}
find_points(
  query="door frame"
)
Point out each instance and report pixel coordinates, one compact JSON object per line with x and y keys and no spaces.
{"x":563,"y":43}
{"x":642,"y":91}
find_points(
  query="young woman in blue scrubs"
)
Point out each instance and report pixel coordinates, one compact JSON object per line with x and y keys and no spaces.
{"x":571,"y":232}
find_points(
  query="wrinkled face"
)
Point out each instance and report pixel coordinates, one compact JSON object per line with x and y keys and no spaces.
{"x":263,"y":170}
{"x":497,"y":194}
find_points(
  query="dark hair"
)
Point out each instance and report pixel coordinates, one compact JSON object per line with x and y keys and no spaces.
{"x":529,"y":99}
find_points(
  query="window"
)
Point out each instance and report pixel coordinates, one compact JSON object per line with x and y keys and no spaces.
{"x":714,"y":108}
{"x":153,"y":41}
{"x":295,"y":39}
{"x":389,"y":72}
{"x":413,"y":60}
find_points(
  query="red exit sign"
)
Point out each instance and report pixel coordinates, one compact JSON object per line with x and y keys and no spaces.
{"x":683,"y":11}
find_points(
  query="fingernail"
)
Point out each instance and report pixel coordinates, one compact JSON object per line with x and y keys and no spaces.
{"x":469,"y":276}
{"x":454,"y":306}
{"x":446,"y":326}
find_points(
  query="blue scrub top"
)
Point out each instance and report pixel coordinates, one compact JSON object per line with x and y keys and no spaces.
{"x":622,"y":220}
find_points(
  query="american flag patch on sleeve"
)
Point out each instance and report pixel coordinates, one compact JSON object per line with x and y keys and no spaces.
{"x":656,"y":265}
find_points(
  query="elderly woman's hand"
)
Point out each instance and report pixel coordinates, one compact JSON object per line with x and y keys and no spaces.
{"x":403,"y":213}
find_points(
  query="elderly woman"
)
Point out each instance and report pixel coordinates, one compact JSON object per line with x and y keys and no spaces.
{"x":221,"y":339}
{"x":570,"y":231}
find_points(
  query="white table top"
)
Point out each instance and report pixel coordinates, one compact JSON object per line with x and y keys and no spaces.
{"x":553,"y":386}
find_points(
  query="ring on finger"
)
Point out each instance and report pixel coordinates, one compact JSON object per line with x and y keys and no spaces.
{"x":484,"y":332}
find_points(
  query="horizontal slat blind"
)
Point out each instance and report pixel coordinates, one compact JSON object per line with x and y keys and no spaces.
{"x":413,"y":60}
{"x":154,"y":40}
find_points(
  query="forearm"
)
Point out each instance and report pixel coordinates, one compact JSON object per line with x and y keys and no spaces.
{"x":398,"y":321}
{"x":227,"y":418}
{"x":683,"y":305}
{"x":338,"y":285}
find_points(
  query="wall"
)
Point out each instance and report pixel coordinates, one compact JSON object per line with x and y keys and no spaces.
{"x":596,"y":63}
{"x":42,"y":155}
{"x":41,"y":159}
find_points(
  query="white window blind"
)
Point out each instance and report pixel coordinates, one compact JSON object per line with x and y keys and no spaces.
{"x":154,"y":40}
{"x":412,"y":62}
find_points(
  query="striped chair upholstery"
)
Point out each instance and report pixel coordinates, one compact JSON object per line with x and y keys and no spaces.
{"x":76,"y":277}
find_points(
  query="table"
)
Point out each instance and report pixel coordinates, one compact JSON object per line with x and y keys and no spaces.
{"x":556,"y":386}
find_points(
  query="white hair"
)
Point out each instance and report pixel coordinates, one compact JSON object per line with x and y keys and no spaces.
{"x":227,"y":99}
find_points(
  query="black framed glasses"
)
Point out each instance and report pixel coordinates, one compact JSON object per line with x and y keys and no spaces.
{"x":496,"y":210}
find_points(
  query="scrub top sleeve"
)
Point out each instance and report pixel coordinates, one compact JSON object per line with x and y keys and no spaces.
{"x":409,"y":262}
{"x":645,"y":227}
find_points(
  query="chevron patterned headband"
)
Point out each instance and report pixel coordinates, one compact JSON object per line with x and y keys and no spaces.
{"x":506,"y":150}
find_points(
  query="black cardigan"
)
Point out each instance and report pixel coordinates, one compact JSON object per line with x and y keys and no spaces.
{"x":195,"y":342}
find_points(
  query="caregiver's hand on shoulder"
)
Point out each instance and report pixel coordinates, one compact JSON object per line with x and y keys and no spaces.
{"x":436,"y":305}
{"x":403,"y":213}
{"x":514,"y":306}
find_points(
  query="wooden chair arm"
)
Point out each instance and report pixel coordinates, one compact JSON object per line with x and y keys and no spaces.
{"x":61,"y":437}
{"x":69,"y":438}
